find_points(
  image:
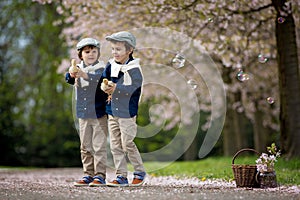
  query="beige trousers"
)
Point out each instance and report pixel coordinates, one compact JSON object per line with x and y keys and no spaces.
{"x":93,"y":139}
{"x":122,"y":133}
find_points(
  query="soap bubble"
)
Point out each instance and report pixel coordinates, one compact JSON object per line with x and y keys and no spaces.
{"x":192,"y":83}
{"x":281,"y":20}
{"x":242,"y":76}
{"x":178,"y":61}
{"x":262,"y":58}
{"x":270,"y":100}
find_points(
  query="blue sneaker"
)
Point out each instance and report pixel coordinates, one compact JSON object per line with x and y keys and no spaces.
{"x":138,"y":178}
{"x":97,"y":182}
{"x":85,"y":181}
{"x":120,"y":181}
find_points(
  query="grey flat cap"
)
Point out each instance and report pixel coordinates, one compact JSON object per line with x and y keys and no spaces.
{"x":87,"y":41}
{"x":122,"y":36}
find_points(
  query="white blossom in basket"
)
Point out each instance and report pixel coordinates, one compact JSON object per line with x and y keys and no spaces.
{"x":266,"y":162}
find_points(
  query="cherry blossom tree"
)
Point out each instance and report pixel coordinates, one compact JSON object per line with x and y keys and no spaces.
{"x":246,"y":39}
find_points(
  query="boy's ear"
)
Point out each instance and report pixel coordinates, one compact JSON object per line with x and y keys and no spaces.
{"x":131,"y":49}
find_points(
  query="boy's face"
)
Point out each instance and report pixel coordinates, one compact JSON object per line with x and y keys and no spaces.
{"x":89,"y":55}
{"x":119,"y":52}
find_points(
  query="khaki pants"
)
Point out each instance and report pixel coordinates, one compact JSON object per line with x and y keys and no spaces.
{"x":93,"y":138}
{"x":122,"y":133}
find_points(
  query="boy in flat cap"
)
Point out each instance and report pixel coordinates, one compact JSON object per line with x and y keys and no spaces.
{"x":126,"y":74}
{"x":90,"y":111}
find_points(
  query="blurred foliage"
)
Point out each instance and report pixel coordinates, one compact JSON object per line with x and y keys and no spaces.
{"x":35,"y":108}
{"x":157,"y":141}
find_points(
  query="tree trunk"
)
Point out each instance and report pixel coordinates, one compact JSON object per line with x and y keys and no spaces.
{"x":289,"y":82}
{"x":260,"y":133}
{"x":192,"y":152}
{"x":228,"y":134}
{"x":235,"y":130}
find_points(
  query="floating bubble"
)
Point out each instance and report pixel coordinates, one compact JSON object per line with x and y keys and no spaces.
{"x":281,"y":20}
{"x":262,"y":58}
{"x":192,"y":83}
{"x":270,"y":100}
{"x":242,"y":76}
{"x":178,"y":61}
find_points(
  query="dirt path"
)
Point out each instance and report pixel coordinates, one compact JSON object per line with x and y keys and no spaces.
{"x":52,"y":184}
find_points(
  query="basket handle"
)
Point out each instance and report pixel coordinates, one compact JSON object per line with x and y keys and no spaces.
{"x":243,"y":150}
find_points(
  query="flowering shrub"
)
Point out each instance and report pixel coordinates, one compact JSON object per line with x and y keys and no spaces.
{"x":266,"y":162}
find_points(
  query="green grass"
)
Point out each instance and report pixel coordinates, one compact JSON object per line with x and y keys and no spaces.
{"x":288,"y":172}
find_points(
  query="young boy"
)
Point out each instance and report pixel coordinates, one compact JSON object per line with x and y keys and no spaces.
{"x":125,"y":72}
{"x":90,"y":110}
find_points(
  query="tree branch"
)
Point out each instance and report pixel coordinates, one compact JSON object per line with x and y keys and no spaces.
{"x":251,"y":10}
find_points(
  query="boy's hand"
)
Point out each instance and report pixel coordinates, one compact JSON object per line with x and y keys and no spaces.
{"x":74,"y":71}
{"x":82,"y":74}
{"x":73,"y":75}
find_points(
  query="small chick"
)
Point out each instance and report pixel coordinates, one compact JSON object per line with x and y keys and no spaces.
{"x":73,"y":68}
{"x":106,"y":84}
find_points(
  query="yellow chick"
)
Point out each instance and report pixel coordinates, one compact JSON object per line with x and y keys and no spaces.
{"x":73,"y":68}
{"x":106,"y":84}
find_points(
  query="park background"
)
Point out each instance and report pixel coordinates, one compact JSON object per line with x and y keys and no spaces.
{"x":37,"y":40}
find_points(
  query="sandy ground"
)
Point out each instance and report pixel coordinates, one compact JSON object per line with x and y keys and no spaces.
{"x":58,"y":184}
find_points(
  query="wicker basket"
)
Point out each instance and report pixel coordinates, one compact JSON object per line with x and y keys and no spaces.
{"x":245,"y":175}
